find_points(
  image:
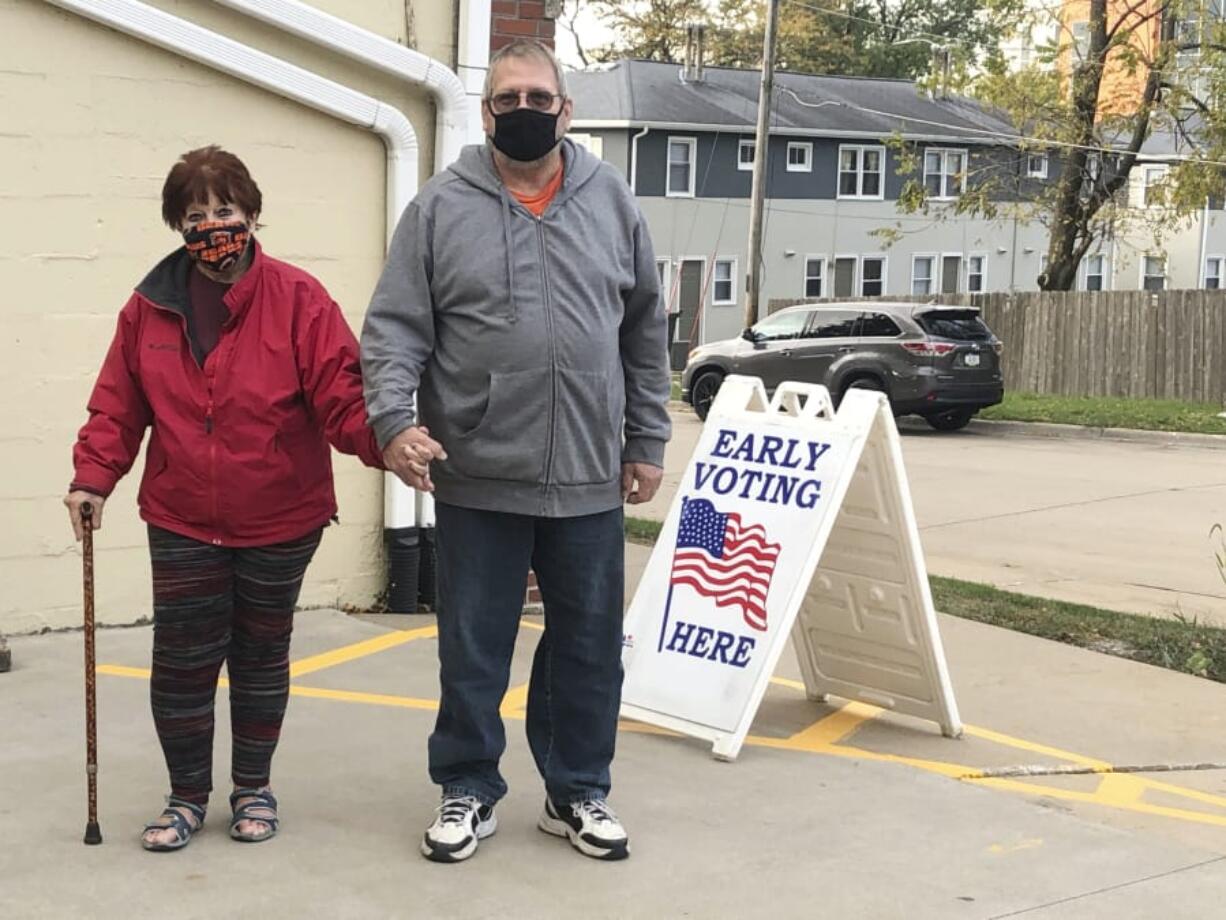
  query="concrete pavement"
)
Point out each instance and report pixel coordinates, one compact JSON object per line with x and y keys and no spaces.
{"x":865,"y":815}
{"x":1120,"y":525}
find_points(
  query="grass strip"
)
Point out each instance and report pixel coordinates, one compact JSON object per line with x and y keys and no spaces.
{"x":1110,"y":412}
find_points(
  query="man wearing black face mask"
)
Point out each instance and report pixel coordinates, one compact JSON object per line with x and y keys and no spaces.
{"x":520,"y":306}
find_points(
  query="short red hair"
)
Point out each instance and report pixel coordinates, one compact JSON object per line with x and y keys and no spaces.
{"x":204,"y":170}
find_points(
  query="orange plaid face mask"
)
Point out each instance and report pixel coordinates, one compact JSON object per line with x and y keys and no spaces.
{"x":217,"y":244}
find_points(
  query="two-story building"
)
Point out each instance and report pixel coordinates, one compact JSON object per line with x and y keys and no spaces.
{"x":684,"y":138}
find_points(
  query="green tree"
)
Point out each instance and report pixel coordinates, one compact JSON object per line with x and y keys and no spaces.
{"x":1094,"y":97}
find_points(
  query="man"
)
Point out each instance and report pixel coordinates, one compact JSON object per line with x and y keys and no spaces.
{"x":520,"y":303}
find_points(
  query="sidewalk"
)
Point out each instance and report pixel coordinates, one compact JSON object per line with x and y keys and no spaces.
{"x":859,"y":818}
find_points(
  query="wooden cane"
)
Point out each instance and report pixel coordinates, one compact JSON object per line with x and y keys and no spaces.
{"x":93,"y":834}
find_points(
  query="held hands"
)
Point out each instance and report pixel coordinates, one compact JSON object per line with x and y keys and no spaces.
{"x":640,"y":482}
{"x":73,"y":502}
{"x":408,"y":455}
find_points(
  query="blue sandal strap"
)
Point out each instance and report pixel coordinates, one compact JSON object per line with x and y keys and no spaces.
{"x":260,"y":799}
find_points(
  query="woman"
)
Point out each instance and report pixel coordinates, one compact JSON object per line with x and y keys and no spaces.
{"x":246,"y":371}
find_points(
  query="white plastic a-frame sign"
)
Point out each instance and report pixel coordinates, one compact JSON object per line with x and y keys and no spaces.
{"x":791,"y":520}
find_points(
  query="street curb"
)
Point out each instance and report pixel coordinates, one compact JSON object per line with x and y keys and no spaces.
{"x":6,"y":657}
{"x":1087,"y":433}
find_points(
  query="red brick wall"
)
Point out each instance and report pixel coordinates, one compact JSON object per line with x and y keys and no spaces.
{"x":514,"y":19}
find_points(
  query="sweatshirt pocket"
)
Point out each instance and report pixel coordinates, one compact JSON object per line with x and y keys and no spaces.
{"x":509,"y":441}
{"x":586,"y":446}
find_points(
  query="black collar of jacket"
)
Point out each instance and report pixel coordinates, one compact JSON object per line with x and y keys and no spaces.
{"x":166,"y":283}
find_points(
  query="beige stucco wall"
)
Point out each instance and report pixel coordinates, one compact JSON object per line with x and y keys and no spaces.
{"x":90,"y":121}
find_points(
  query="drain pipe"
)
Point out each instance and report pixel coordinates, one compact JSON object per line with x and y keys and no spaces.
{"x":310,"y":89}
{"x":342,"y":37}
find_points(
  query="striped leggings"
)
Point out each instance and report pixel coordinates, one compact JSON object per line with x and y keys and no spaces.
{"x":215,"y":604}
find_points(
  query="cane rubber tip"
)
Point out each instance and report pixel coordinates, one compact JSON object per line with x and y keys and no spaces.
{"x":93,"y":834}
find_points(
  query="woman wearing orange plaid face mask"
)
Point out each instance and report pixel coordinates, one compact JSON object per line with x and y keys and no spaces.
{"x":246,"y":372}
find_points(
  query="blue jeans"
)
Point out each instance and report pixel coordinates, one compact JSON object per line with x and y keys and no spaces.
{"x":575,"y":691}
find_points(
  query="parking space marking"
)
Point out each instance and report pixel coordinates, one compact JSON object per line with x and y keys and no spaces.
{"x":825,"y":737}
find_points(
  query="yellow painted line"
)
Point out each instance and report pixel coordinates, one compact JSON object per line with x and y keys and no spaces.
{"x":370,"y":699}
{"x":1089,"y":798}
{"x":1030,"y":843}
{"x":1186,"y":792}
{"x":532,"y":624}
{"x":1022,"y":745}
{"x":515,"y":701}
{"x":1120,"y":789}
{"x":361,"y":649}
{"x":118,"y":670}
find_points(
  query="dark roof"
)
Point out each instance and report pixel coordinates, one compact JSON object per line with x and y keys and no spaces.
{"x":649,"y":92}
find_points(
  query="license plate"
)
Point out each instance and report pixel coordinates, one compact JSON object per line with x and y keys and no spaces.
{"x":972,"y":360}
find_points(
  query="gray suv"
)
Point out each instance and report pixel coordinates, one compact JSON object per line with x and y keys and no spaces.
{"x":938,"y":362}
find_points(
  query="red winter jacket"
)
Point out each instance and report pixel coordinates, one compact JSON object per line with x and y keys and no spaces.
{"x":239,"y":451}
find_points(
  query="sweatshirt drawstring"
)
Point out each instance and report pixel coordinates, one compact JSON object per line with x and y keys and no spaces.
{"x":513,"y":305}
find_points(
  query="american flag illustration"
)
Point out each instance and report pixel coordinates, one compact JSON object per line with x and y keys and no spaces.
{"x":722,"y":558}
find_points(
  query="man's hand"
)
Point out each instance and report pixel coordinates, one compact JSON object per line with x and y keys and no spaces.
{"x":73,"y":502}
{"x":640,"y":482}
{"x":408,"y":455}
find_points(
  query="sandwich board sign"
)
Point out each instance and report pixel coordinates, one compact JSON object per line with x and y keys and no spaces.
{"x":791,"y":520}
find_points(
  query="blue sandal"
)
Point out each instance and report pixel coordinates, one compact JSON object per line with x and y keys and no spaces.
{"x":261,"y":808}
{"x":183,"y":828}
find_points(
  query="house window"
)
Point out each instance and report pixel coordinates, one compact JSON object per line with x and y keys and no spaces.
{"x":723,"y":291}
{"x":1081,"y":40}
{"x":921,"y":275}
{"x":1213,"y":273}
{"x":815,"y":277}
{"x":1153,"y":273}
{"x":800,"y":157}
{"x":664,"y":268}
{"x":1153,"y":177}
{"x":593,"y":143}
{"x":944,"y":173}
{"x":976,"y":273}
{"x":860,"y":171}
{"x":681,"y":155}
{"x":745,"y":153}
{"x":872,"y":276}
{"x":1095,"y":279}
{"x":1036,"y":166}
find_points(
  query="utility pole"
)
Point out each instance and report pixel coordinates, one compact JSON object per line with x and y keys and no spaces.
{"x":754,"y":277}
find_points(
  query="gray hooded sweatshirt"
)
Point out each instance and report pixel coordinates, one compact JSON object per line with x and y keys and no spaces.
{"x":537,"y":348}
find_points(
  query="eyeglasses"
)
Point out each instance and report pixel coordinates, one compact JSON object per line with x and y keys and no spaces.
{"x":537,"y":99}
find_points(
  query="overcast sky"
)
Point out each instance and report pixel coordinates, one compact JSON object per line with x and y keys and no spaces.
{"x":592,"y":32}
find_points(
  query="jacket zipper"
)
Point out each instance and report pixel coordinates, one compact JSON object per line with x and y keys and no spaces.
{"x":553,"y":370}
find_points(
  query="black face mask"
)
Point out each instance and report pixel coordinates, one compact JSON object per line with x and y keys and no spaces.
{"x":526,"y":134}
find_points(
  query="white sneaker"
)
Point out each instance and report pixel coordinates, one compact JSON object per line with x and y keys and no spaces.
{"x":592,"y":827}
{"x":461,"y":822}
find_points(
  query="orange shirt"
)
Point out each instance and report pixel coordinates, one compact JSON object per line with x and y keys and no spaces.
{"x":538,"y":203}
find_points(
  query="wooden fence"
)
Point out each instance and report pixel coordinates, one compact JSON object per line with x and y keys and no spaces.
{"x":1165,"y":345}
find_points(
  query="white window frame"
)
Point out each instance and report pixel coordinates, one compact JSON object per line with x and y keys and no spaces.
{"x":807,"y":165}
{"x":983,"y":272}
{"x":1085,"y":271}
{"x":933,"y":258}
{"x":666,"y":286}
{"x":855,"y":271}
{"x":746,"y":143}
{"x":592,"y":143}
{"x":885,"y":275}
{"x":1080,"y":43}
{"x":1221,"y":272}
{"x":1044,"y":162}
{"x":825,"y":277}
{"x":715,"y":301}
{"x":1161,"y":171}
{"x":860,"y":196}
{"x":1145,"y":257}
{"x":943,"y":153}
{"x":692,"y":143}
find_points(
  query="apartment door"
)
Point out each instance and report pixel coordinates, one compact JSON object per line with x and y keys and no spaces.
{"x":951,"y":274}
{"x":845,"y":276}
{"x":687,"y":333}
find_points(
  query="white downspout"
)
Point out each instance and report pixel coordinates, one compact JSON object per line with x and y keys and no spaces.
{"x":473,"y":59}
{"x":345,"y":38}
{"x":310,"y":89}
{"x":1204,"y":244}
{"x":634,"y":160}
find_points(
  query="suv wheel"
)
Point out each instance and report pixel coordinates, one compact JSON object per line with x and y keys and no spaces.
{"x":951,"y":419}
{"x":863,"y":383}
{"x":703,"y":390}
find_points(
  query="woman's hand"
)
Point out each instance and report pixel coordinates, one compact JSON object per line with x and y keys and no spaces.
{"x":74,"y":500}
